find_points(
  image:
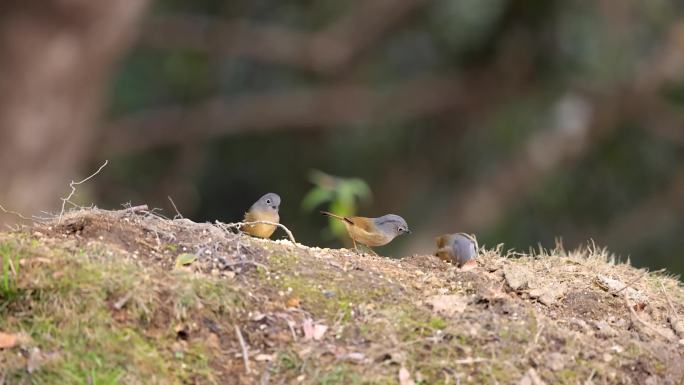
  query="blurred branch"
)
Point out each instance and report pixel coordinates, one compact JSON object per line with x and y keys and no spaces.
{"x":485,"y":203}
{"x":661,"y":210}
{"x":327,"y":51}
{"x":314,"y":108}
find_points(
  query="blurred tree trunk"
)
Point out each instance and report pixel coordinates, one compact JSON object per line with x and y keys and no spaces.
{"x":56,"y":58}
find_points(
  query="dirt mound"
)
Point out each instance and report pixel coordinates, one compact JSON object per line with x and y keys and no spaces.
{"x":218,"y":307}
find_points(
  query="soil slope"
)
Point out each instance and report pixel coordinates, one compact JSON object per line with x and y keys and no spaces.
{"x":124,"y":297}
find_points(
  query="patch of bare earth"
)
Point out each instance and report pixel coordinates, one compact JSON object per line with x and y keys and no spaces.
{"x":310,"y":315}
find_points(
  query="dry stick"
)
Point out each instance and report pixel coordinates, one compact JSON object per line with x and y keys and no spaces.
{"x":135,"y":209}
{"x":632,"y":282}
{"x":646,"y":324}
{"x":469,"y":361}
{"x":290,"y":324}
{"x":245,"y":357}
{"x":15,"y":213}
{"x":534,"y":343}
{"x":11,"y":265}
{"x":238,"y":225}
{"x":175,"y":208}
{"x":591,"y":376}
{"x":73,"y":188}
{"x":667,"y":298}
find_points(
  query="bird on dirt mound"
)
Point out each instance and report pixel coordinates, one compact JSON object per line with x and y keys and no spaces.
{"x":265,"y":209}
{"x":458,"y":248}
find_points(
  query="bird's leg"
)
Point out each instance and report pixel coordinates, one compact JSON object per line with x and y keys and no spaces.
{"x":366,"y":247}
{"x":355,"y":248}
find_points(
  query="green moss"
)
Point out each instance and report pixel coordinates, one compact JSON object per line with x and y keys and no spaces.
{"x":10,"y":258}
{"x":340,"y":375}
{"x":65,"y":306}
{"x":566,"y":376}
{"x":437,"y":323}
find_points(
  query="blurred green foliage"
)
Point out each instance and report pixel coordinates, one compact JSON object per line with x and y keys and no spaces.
{"x":341,"y":196}
{"x":514,"y":60}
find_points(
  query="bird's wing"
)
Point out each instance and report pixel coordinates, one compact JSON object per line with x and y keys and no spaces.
{"x":442,"y":240}
{"x":363,"y":223}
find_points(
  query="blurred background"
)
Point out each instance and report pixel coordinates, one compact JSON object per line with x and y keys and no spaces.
{"x":519,"y":121}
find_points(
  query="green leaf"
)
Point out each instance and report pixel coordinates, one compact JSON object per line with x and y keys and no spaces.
{"x":185,"y":259}
{"x":315,"y":197}
{"x":361,"y":189}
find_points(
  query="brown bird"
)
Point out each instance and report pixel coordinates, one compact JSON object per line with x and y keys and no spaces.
{"x":372,"y":231}
{"x":459,"y":249}
{"x":265,"y":209}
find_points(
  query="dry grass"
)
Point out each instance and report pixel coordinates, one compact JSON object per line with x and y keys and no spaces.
{"x":100,"y":297}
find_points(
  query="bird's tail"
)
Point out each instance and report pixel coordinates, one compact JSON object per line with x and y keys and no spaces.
{"x":329,"y":214}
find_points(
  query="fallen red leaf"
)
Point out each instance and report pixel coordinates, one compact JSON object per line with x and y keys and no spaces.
{"x":8,"y":340}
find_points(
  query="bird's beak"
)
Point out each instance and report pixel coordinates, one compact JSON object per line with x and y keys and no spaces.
{"x":275,"y":208}
{"x":407,"y":231}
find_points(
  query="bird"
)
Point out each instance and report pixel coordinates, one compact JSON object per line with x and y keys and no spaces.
{"x":264,"y":209}
{"x":372,"y":232}
{"x":458,"y":248}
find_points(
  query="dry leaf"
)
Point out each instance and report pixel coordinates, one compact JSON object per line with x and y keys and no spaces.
{"x":308,"y":329}
{"x":448,"y":305}
{"x":405,"y":377}
{"x":639,"y":306}
{"x":319,"y":331}
{"x":311,"y":331}
{"x":263,"y":357}
{"x":8,"y":340}
{"x":35,"y":359}
{"x":185,"y":259}
{"x":293,"y":302}
{"x":213,"y":341}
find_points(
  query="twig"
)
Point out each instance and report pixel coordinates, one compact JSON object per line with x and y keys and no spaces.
{"x":287,"y":231}
{"x":122,"y":301}
{"x":11,"y":265}
{"x":469,"y":361}
{"x":15,"y":213}
{"x":290,"y":324}
{"x":534,"y":343}
{"x":178,"y":214}
{"x":135,"y":209}
{"x":73,"y":185}
{"x":667,"y":298}
{"x":245,"y":356}
{"x":646,"y":324}
{"x":238,"y":225}
{"x":591,"y":377}
{"x":266,"y":376}
{"x":632,"y":282}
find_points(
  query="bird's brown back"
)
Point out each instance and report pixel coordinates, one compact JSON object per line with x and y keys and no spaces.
{"x":362,"y":230}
